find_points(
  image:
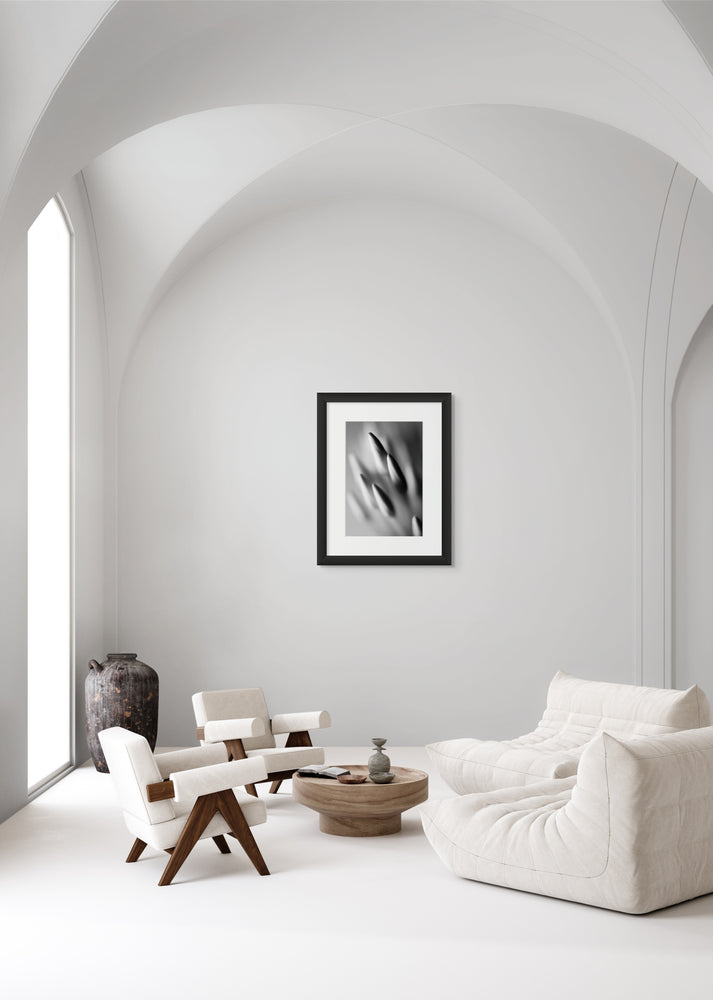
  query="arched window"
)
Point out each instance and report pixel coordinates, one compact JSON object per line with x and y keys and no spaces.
{"x":49,"y":497}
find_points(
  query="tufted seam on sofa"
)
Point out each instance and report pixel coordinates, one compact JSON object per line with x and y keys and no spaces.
{"x":570,"y":716}
{"x":675,"y":753}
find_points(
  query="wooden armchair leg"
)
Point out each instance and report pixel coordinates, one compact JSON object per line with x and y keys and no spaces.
{"x":240,"y":829}
{"x":200,"y":816}
{"x":251,"y":790}
{"x":301,"y":739}
{"x":222,"y":844}
{"x":136,"y":851}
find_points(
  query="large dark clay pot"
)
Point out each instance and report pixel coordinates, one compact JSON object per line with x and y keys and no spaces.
{"x":121,"y":691}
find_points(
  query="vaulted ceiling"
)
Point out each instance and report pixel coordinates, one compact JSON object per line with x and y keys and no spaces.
{"x":190,"y":121}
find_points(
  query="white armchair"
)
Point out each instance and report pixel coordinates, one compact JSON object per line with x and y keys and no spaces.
{"x":171,"y":801}
{"x":239,"y":719}
{"x":632,"y":831}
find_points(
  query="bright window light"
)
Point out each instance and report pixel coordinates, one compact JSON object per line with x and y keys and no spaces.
{"x":49,"y":279}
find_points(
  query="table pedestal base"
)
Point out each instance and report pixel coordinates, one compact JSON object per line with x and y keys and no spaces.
{"x":360,"y":826}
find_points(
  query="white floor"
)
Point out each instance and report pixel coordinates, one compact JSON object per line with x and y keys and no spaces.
{"x":338,"y":918}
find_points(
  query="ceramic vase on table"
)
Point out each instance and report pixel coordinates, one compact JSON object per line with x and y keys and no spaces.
{"x":121,"y":691}
{"x":379,"y":764}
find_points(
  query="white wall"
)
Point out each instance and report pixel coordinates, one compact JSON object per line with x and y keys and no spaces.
{"x":218,"y":582}
{"x":689,"y":420}
{"x":13,"y":532}
{"x":693,"y":515}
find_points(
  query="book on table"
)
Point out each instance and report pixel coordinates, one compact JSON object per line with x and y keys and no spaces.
{"x":321,"y":771}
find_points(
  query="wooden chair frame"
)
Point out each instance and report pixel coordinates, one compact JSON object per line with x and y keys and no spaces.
{"x":203,"y":811}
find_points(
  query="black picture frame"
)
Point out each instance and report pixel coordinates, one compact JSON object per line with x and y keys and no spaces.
{"x":432,"y":482}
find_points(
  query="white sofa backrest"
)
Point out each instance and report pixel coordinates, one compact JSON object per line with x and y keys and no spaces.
{"x":132,"y":767}
{"x":624,"y":709}
{"x":244,"y":703}
{"x":655,"y":795}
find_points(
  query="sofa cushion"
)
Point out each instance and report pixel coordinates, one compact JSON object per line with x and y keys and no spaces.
{"x":576,"y":711}
{"x":622,"y":708}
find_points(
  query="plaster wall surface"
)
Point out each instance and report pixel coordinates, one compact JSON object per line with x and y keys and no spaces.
{"x":38,"y":42}
{"x":13,"y":532}
{"x":218,"y":582}
{"x":692,"y":638}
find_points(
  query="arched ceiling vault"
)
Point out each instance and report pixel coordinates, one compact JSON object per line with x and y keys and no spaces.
{"x":91,"y":75}
{"x":569,"y":117}
{"x":558,"y":181}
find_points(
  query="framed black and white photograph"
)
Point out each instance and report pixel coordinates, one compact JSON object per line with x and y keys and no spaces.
{"x":384,"y":478}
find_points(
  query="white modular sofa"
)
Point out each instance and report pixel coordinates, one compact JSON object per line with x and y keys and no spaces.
{"x":577,"y":710}
{"x":633,"y":831}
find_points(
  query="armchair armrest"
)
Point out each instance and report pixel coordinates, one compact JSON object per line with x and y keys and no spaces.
{"x":183,"y":760}
{"x":188,"y":785}
{"x":298,"y":722}
{"x":231,"y":729}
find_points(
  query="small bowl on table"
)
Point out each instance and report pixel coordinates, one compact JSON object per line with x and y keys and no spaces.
{"x":351,"y":779}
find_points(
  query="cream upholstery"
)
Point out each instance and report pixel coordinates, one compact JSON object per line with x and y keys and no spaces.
{"x":238,"y":704}
{"x":234,"y":729}
{"x":633,"y":831}
{"x":159,"y":824}
{"x":576,"y":711}
{"x":289,"y":758}
{"x":216,"y":778}
{"x":229,"y":714}
{"x":295,"y":722}
{"x":182,"y":760}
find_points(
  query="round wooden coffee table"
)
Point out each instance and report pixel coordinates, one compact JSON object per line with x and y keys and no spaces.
{"x":367,"y":810}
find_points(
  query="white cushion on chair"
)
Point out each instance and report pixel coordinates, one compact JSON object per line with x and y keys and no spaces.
{"x":188,"y":785}
{"x":244,"y":703}
{"x":162,"y":836}
{"x":183,"y":760}
{"x":133,"y":767}
{"x":576,"y":711}
{"x":289,"y":758}
{"x":233,"y":729}
{"x":297,"y":722}
{"x":632,"y":831}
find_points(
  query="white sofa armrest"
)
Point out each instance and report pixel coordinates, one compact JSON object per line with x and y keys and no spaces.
{"x":188,"y":785}
{"x":183,"y":760}
{"x":297,"y":722}
{"x":233,"y":729}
